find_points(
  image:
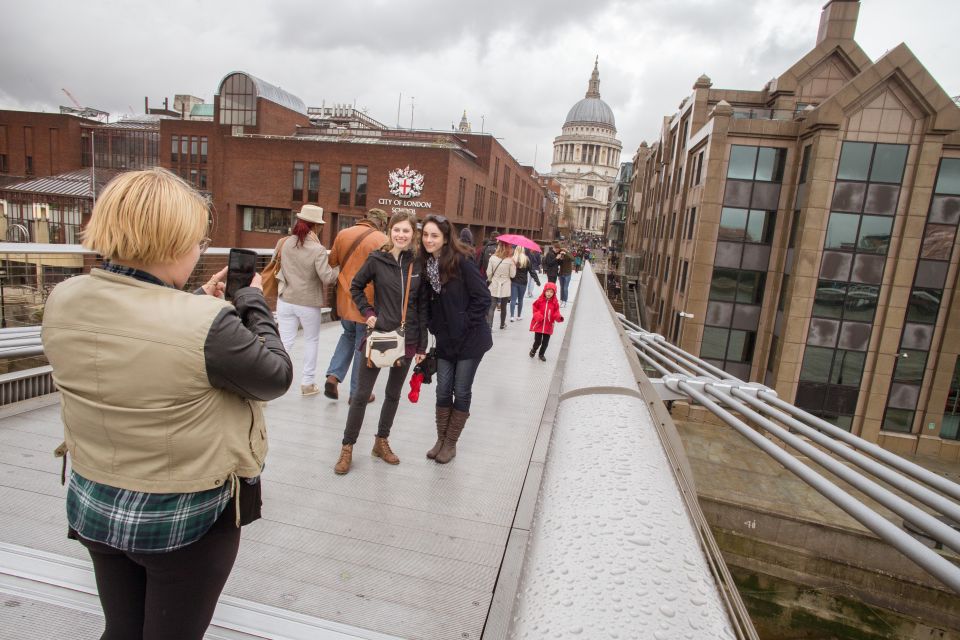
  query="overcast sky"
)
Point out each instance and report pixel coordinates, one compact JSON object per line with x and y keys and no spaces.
{"x":519,"y":63}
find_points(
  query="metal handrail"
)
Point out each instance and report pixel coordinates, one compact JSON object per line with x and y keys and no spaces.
{"x":714,"y":388}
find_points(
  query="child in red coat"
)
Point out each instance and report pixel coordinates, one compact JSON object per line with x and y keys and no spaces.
{"x":546,"y":311}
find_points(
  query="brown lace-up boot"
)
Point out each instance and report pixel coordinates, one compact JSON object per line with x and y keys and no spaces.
{"x":443,"y":417}
{"x":346,"y":458}
{"x":458,"y":419}
{"x":381,"y":449}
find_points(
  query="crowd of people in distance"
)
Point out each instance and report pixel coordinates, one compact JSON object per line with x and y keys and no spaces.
{"x":163,"y":475}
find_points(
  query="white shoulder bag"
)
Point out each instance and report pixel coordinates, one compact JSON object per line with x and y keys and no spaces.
{"x":388,"y":348}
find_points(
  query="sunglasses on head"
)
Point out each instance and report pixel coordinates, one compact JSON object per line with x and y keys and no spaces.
{"x":436,"y":218}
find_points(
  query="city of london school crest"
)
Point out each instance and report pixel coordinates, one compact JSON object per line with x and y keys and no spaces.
{"x":405,"y":183}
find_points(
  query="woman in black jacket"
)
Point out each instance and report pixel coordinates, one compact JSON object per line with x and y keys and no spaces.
{"x":457,"y":300}
{"x":389,"y":269}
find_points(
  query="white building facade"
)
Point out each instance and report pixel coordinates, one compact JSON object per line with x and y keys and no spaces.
{"x":586,"y":159}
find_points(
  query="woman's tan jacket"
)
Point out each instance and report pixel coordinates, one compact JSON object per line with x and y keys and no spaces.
{"x":162,"y":389}
{"x":499,"y":273}
{"x":306,"y":271}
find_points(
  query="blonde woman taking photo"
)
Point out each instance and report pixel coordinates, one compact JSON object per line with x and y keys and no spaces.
{"x":500,"y":270}
{"x":161,"y":394}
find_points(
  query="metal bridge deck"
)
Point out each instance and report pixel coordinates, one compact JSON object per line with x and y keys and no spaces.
{"x":412,"y":551}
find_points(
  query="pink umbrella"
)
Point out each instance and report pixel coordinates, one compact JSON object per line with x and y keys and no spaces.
{"x":518,"y":240}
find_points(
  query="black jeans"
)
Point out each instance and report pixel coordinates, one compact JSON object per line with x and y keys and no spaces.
{"x":455,"y":383}
{"x":164,"y":596}
{"x":540,"y":340}
{"x":358,"y":403}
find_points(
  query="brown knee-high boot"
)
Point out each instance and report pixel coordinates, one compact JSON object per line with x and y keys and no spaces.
{"x":443,"y":417}
{"x":458,"y":419}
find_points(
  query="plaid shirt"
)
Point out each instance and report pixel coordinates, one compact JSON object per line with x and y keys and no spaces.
{"x":135,"y":521}
{"x":141,"y":522}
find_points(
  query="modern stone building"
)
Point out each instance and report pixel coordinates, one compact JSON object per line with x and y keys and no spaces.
{"x":810,"y":229}
{"x":586,"y":159}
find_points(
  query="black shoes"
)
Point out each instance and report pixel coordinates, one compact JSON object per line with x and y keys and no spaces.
{"x":532,"y":351}
{"x":542,"y":358}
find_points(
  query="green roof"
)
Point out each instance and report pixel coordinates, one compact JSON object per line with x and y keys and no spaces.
{"x":202,"y":110}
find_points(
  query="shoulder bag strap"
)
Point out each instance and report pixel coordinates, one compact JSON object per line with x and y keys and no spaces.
{"x":406,"y":298}
{"x":280,"y":249}
{"x":353,"y":247}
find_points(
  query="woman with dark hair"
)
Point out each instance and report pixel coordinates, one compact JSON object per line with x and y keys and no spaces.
{"x":457,"y":300}
{"x":306,"y":273}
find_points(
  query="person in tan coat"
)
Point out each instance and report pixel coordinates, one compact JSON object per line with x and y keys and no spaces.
{"x":350,"y":250}
{"x":306,"y":273}
{"x":500,"y":270}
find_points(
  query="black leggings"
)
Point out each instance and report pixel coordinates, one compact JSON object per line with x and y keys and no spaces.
{"x":162,"y":596}
{"x":537,"y":338}
{"x":366,"y":378}
{"x":498,"y":302}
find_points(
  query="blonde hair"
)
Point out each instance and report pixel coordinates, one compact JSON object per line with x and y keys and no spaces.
{"x":149,"y":216}
{"x":396,"y":219}
{"x":520,"y":257}
{"x":503,"y":250}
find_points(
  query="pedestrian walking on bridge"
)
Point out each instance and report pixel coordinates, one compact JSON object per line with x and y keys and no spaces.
{"x":546,"y":311}
{"x":500,"y":270}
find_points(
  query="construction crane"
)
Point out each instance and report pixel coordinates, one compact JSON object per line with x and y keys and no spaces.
{"x":82,"y":111}
{"x":72,"y":99}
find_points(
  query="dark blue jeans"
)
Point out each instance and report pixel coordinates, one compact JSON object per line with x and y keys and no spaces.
{"x":455,"y":383}
{"x":564,"y":287}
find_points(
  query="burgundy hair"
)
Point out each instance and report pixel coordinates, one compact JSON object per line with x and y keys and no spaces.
{"x":301,"y":229}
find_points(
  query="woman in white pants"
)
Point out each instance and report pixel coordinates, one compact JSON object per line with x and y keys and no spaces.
{"x":306,"y":273}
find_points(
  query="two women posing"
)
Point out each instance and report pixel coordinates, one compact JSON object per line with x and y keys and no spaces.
{"x":443,"y":290}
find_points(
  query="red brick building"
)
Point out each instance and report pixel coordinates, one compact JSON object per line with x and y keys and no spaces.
{"x":265,"y":154}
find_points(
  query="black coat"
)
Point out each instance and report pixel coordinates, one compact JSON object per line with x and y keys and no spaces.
{"x":551,"y":266}
{"x":389,"y":279}
{"x":457,"y":315}
{"x":522,"y":273}
{"x":489,"y":249}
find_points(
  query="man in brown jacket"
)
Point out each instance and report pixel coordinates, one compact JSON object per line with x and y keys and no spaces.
{"x":350,"y":250}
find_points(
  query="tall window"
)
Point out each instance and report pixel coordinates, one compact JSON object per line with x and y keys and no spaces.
{"x":926,"y":298}
{"x":313,"y":183}
{"x":297,"y":181}
{"x":361,"y":197}
{"x":951,"y":412}
{"x":345,"y":179}
{"x":461,"y":194}
{"x":857,"y":239}
{"x":175,"y":149}
{"x":238,"y":100}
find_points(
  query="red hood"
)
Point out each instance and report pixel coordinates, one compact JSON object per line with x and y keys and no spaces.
{"x":550,"y":286}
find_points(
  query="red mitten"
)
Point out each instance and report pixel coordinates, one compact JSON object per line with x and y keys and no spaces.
{"x":559,"y":318}
{"x":415,"y":381}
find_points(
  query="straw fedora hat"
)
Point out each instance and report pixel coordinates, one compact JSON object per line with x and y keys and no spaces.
{"x":311,"y":213}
